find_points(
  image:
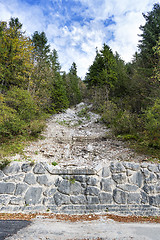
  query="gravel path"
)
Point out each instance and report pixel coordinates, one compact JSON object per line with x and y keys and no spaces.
{"x":51,"y":229}
{"x":77,"y":138}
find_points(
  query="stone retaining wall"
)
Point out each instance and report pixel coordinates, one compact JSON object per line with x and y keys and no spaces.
{"x":119,"y":187}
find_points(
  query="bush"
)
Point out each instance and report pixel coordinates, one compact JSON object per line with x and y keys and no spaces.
{"x":10,"y":123}
{"x":152,"y":124}
{"x":121,"y":121}
{"x":22,"y":101}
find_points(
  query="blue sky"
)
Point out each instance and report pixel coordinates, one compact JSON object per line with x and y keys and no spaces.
{"x":76,"y":27}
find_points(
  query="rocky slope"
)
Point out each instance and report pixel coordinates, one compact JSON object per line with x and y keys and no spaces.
{"x":77,"y":138}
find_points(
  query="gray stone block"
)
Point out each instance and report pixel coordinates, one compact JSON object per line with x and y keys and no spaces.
{"x":49,"y":201}
{"x":105,"y":198}
{"x":14,"y":178}
{"x":39,"y":169}
{"x":144,"y":198}
{"x":157,"y":187}
{"x":61,"y":199}
{"x":132,"y":166}
{"x":154,"y":200}
{"x":78,"y":199}
{"x":16,"y":201}
{"x":128,"y":187}
{"x":106,"y":184}
{"x":119,"y":178}
{"x":20,"y":188}
{"x":117,"y":167}
{"x":4,"y":199}
{"x":119,"y":196}
{"x":153,"y":168}
{"x":49,"y":193}
{"x":106,"y":172}
{"x":92,"y":200}
{"x":30,"y":178}
{"x":92,"y":181}
{"x":146,"y":172}
{"x":149,"y":189}
{"x":12,"y":168}
{"x":33,"y":195}
{"x":151,"y":179}
{"x":7,"y":188}
{"x":93,"y":191}
{"x":43,"y":180}
{"x":70,"y":187}
{"x":1,"y":175}
{"x":80,"y":178}
{"x":137,"y":179}
{"x":26,"y":167}
{"x":134,"y":198}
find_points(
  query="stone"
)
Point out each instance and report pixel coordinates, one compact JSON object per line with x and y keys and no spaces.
{"x":153,"y":168}
{"x":93,"y":191}
{"x":61,"y":199}
{"x":117,"y":167}
{"x":78,"y":199}
{"x":4,"y":199}
{"x":128,"y":187}
{"x":134,"y":198}
{"x":43,"y":180}
{"x":119,"y":178}
{"x":70,"y":188}
{"x":33,"y":195}
{"x":30,"y":178}
{"x":119,"y":196}
{"x":7,"y":188}
{"x":151,"y":179}
{"x":13,"y":167}
{"x":49,"y":201}
{"x":26,"y":167}
{"x":16,"y":201}
{"x":1,"y":175}
{"x":137,"y":179}
{"x":92,"y":181}
{"x":129,"y":172}
{"x":144,"y":164}
{"x":105,"y":198}
{"x":144,"y":198}
{"x":49,"y":193}
{"x":92,"y":200}
{"x":145,"y":172}
{"x":132,"y":166}
{"x":157,"y":187}
{"x":14,"y":178}
{"x":106,"y":172}
{"x":106,"y":184}
{"x":20,"y":188}
{"x":149,"y":189}
{"x":80,"y":178}
{"x":39,"y":169}
{"x":154,"y":200}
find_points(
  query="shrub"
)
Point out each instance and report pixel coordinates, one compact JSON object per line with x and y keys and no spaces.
{"x":10,"y":123}
{"x":152,"y":124}
{"x":22,"y":101}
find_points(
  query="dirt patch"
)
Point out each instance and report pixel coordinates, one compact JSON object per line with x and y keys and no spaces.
{"x":77,"y":218}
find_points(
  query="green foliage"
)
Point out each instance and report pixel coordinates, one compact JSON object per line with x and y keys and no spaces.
{"x":102,"y":71}
{"x":35,"y":127}
{"x":22,"y":101}
{"x":10,"y":123}
{"x":152,"y":124}
{"x":54,"y":163}
{"x":4,"y":163}
{"x":83,"y":113}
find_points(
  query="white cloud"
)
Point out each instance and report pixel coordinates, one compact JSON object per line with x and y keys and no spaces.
{"x":76,"y":41}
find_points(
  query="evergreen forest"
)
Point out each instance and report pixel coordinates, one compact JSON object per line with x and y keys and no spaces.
{"x":33,"y":87}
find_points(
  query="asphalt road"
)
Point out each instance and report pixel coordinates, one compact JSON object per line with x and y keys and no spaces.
{"x":10,"y":227}
{"x":102,"y":229}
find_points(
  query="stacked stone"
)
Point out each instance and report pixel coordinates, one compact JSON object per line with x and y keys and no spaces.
{"x":121,"y":187}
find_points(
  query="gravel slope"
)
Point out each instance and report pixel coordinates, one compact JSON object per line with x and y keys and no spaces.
{"x":75,"y":139}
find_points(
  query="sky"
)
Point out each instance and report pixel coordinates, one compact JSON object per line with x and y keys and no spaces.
{"x":75,"y":28}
